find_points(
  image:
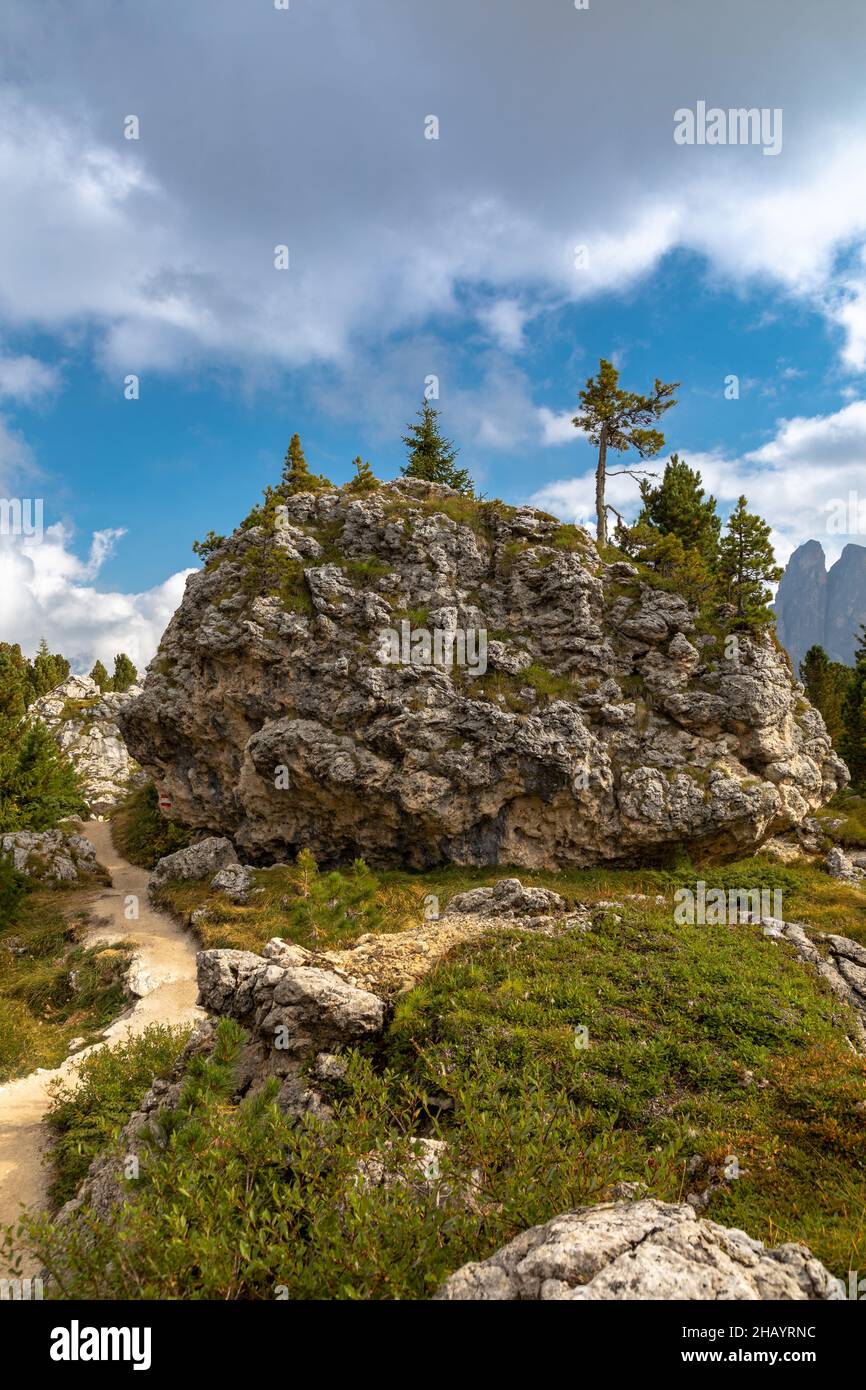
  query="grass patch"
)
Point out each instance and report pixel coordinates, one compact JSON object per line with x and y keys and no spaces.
{"x":850,"y":808}
{"x":703,"y":1042}
{"x":51,"y":988}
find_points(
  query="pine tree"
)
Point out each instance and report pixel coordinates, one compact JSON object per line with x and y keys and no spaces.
{"x":47,"y":670}
{"x":746,"y":564}
{"x":612,"y":418}
{"x":683,"y":570}
{"x":125,"y":673}
{"x":827,"y":685}
{"x":38,"y":785}
{"x":364,"y":480}
{"x":327,"y":905}
{"x":204,"y":549}
{"x":678,"y":507}
{"x":296,"y":475}
{"x":852,"y":744}
{"x":100,"y":675}
{"x":431,"y":455}
{"x":16,"y":691}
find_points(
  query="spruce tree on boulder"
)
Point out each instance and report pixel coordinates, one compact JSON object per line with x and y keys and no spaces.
{"x":125,"y":673}
{"x":746,"y":564}
{"x":431,"y":455}
{"x":679,"y":507}
{"x":100,"y":675}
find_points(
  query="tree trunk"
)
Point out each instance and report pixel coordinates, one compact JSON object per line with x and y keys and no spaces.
{"x":600,"y":510}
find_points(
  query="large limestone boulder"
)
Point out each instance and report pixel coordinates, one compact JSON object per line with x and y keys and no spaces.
{"x":279,"y":712}
{"x":83,"y":722}
{"x":646,"y":1250}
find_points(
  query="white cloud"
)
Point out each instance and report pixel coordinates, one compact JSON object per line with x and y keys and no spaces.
{"x":47,"y":591}
{"x":505,"y":321}
{"x":25,"y":378}
{"x":556,"y":428}
{"x":165,"y":245}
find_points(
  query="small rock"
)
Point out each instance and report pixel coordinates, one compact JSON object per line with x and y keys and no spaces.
{"x":508,"y":898}
{"x":838,"y":865}
{"x":201,"y":860}
{"x":235,"y":880}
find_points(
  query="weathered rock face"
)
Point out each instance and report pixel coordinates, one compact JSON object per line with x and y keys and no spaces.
{"x":815,"y":605}
{"x":645,"y":1249}
{"x":50,"y":856}
{"x":605,"y":728}
{"x":801,"y":601}
{"x":83,"y":722}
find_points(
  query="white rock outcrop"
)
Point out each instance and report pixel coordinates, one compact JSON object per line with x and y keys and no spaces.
{"x":83,"y":722}
{"x":49,"y":856}
{"x":640,"y":1250}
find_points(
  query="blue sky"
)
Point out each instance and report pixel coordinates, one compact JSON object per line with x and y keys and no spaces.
{"x":191,"y":454}
{"x":408,"y":257}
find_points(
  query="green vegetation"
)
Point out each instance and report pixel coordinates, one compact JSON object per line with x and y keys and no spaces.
{"x":746,"y":564}
{"x":852,"y":743}
{"x":269,"y":570}
{"x":87,"y":1117}
{"x":678,"y":507}
{"x":364,"y":480}
{"x":22,"y":681}
{"x":296,"y":475}
{"x":431,"y":455}
{"x":125,"y":673}
{"x":39,"y":787}
{"x":703,"y":1041}
{"x":79,"y":709}
{"x":326,"y":907}
{"x":52,"y":989}
{"x":612,"y":418}
{"x":206,"y":549}
{"x":100,"y":675}
{"x":849,"y":807}
{"x":827,"y":684}
{"x":141,"y":832}
{"x":676,"y":546}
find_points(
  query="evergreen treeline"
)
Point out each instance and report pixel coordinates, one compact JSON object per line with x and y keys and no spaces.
{"x":38,"y":785}
{"x":679,"y":535}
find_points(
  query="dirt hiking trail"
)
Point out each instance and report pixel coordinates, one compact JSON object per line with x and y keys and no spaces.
{"x":162,"y":975}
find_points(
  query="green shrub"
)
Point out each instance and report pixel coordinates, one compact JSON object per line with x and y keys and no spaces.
{"x":328,"y":906}
{"x":87,"y":1116}
{"x":142,"y":834}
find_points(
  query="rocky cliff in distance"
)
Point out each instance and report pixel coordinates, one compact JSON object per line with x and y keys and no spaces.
{"x":606,"y":728}
{"x":83,"y":722}
{"x":817,"y":606}
{"x":801,"y":601}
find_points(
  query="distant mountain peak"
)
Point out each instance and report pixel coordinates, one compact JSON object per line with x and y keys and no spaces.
{"x":816,"y":605}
